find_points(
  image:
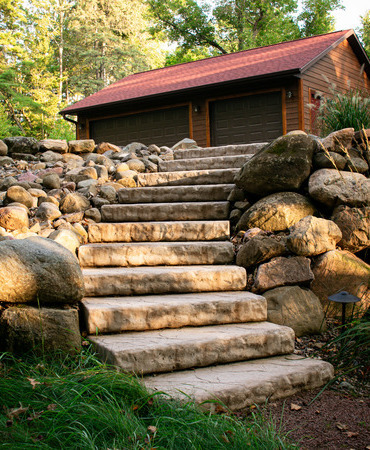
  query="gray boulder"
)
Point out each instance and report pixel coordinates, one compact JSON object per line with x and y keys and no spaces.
{"x":329,"y":160}
{"x":336,"y":271}
{"x":312,"y":236}
{"x":54,"y":145}
{"x":354,"y":224}
{"x":282,"y":271}
{"x":276,"y":212}
{"x":22,"y":144}
{"x":259,"y":249}
{"x":333,"y":188}
{"x":282,"y":165}
{"x":40,"y":271}
{"x":296,"y":308}
{"x":339,"y":140}
{"x":40,"y":329}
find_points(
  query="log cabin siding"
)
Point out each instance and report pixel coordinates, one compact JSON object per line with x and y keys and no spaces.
{"x":341,"y":68}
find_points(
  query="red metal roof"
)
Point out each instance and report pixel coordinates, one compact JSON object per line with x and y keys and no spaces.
{"x":263,"y":61}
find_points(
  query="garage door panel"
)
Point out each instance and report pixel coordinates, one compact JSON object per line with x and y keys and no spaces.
{"x":162,"y":127}
{"x":253,"y":118}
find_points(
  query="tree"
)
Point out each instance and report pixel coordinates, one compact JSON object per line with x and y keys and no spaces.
{"x":365,"y":31}
{"x":225,"y":26}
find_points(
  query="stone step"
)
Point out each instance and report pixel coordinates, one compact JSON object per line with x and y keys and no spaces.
{"x":188,"y":177}
{"x":168,"y":194}
{"x":153,"y":312}
{"x":155,"y":254}
{"x":215,"y":162}
{"x":226,"y":150}
{"x":184,"y":348}
{"x":117,"y":281}
{"x":216,"y":230}
{"x":242,"y":384}
{"x":147,"y":212}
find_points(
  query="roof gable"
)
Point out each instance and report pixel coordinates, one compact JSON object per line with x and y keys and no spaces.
{"x":285,"y":57}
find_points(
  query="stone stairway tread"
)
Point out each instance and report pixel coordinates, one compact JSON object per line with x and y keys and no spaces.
{"x":242,"y":149}
{"x":147,"y":212}
{"x":155,"y":254}
{"x":242,"y":384}
{"x":201,"y":230}
{"x":187,"y":177}
{"x":153,"y":312}
{"x":167,"y":194}
{"x":182,"y":348}
{"x":203,"y":163}
{"x":118,"y":281}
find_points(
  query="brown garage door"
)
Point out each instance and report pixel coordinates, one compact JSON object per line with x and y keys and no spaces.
{"x":163,"y":127}
{"x":243,"y":120}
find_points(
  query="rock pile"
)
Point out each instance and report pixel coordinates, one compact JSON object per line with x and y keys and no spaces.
{"x":301,"y":211}
{"x":53,"y":189}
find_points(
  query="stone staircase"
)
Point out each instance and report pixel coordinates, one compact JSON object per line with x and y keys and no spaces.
{"x":164,"y":300}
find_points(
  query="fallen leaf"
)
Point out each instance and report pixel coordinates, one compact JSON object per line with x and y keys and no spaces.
{"x":33,"y":382}
{"x":17,"y":412}
{"x":341,"y":426}
{"x":52,"y":407}
{"x":152,"y":429}
{"x":295,"y":407}
{"x":135,"y":407}
{"x":318,"y":411}
{"x":351,"y":433}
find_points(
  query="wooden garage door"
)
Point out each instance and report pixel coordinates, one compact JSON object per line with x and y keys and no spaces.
{"x":243,"y":120}
{"x":163,"y":127}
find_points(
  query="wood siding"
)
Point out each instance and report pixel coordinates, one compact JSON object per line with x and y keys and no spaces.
{"x":339,"y":67}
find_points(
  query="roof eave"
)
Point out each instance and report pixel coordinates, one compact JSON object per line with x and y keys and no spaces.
{"x":181,"y":91}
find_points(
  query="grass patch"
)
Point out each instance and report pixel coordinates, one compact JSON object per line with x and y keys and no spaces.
{"x":75,"y":402}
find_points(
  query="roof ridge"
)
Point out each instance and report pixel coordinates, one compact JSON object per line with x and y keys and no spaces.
{"x":238,"y":52}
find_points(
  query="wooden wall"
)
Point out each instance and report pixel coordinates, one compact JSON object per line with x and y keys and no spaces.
{"x":341,"y":67}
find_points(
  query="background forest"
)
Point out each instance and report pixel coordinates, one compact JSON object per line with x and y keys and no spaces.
{"x":55,"y":52}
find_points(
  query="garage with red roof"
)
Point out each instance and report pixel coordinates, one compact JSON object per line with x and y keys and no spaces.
{"x":250,"y":96}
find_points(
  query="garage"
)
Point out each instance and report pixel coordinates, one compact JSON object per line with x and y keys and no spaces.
{"x":162,"y":127}
{"x":243,"y":120}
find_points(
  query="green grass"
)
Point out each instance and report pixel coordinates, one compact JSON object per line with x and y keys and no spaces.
{"x":78,"y":403}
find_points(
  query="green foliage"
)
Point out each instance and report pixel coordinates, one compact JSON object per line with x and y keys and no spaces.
{"x":78,"y":403}
{"x":365,"y":31}
{"x":350,"y":109}
{"x":224,"y":26}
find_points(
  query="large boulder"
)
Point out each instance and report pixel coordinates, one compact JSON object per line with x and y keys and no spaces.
{"x":354,"y":224}
{"x":81,"y":146}
{"x":54,"y":145}
{"x":3,"y":148}
{"x":312,"y":236}
{"x":39,"y":271}
{"x":339,"y":270}
{"x":339,"y":140}
{"x":283,"y":165}
{"x":22,"y":144}
{"x":68,"y":238}
{"x":259,"y":249}
{"x":276,"y":212}
{"x":40,"y":329}
{"x":329,"y":160}
{"x":296,"y":308}
{"x":333,"y":188}
{"x":13,"y":218}
{"x":106,"y":146}
{"x":282,"y":271}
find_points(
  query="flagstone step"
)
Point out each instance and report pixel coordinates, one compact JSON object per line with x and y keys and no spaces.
{"x":153,"y":312}
{"x":183,"y":348}
{"x":215,"y":230}
{"x":202,"y":163}
{"x":187,"y":177}
{"x":155,"y":254}
{"x":117,"y":281}
{"x":242,"y":384}
{"x":242,"y":149}
{"x":147,"y":212}
{"x":164,"y":194}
